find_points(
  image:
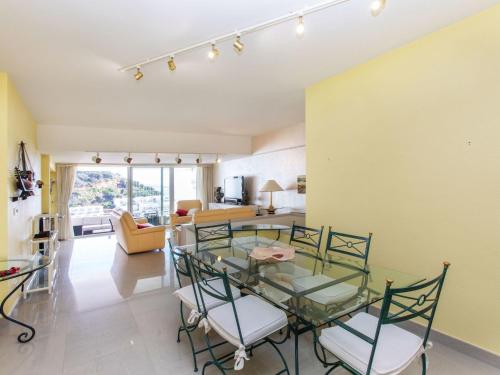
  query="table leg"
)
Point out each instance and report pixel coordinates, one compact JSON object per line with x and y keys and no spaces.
{"x":24,"y":336}
{"x":296,"y":336}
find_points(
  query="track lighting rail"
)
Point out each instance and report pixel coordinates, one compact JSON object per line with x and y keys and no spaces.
{"x":232,"y":35}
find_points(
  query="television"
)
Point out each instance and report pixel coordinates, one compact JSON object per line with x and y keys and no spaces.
{"x":234,"y":188}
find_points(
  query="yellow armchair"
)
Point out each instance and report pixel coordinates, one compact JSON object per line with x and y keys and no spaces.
{"x":134,"y":240}
{"x":185,"y":205}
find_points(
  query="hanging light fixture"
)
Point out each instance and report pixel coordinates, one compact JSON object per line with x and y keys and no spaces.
{"x":217,"y":159}
{"x":138,"y":74}
{"x":171,"y":64}
{"x":96,"y":158}
{"x":238,"y":44}
{"x":214,"y":52}
{"x":128,"y":159}
{"x":178,"y":159}
{"x":198,"y":159}
{"x":157,"y":159}
{"x":300,"y":26}
{"x":377,"y":7}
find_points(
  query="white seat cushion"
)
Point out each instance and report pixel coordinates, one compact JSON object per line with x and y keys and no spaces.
{"x":186,"y":295}
{"x":288,"y":270}
{"x":396,"y":348}
{"x":335,"y":293}
{"x":257,"y":318}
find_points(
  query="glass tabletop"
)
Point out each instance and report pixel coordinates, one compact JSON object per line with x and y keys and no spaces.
{"x":25,"y":266}
{"x":259,"y":227}
{"x":312,"y":289}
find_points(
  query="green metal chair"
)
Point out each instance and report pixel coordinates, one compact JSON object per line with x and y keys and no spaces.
{"x":369,"y":345}
{"x":220,"y":237}
{"x":246,"y":322}
{"x":189,"y":297}
{"x":342,"y":294}
{"x":213,"y":236}
{"x":350,"y":245}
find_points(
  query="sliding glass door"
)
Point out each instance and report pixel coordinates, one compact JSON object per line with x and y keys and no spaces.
{"x":147,"y":194}
{"x":145,"y":191}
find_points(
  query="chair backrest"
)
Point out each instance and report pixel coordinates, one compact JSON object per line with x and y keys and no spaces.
{"x":306,"y":236}
{"x":348,"y":244}
{"x":402,"y":304}
{"x":205,"y":276}
{"x":214,"y":236}
{"x":181,"y":263}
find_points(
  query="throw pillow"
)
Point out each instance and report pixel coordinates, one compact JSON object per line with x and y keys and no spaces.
{"x":192,"y":211}
{"x":142,"y":226}
{"x":181,"y":212}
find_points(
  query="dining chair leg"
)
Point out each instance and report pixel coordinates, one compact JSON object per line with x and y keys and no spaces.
{"x":184,"y":327}
{"x":424,"y":364}
{"x":297,"y":371}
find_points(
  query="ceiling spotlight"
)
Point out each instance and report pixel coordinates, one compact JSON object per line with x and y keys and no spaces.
{"x":157,"y":159}
{"x":238,"y":44}
{"x":377,"y":7}
{"x":218,"y":159}
{"x":198,"y":159}
{"x":127,"y":159}
{"x":97,"y":159}
{"x":138,"y":74}
{"x":171,"y":64}
{"x":300,"y":26}
{"x":178,"y":159}
{"x":213,"y":53}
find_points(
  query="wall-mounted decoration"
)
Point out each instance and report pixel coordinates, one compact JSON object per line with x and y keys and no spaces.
{"x":25,"y":176}
{"x":301,"y":184}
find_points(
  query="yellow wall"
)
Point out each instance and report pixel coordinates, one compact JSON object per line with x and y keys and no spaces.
{"x":19,"y":126}
{"x":408,"y":146}
{"x":4,"y":195}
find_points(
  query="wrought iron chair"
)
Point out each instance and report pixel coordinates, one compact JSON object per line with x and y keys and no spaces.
{"x":366,"y":344}
{"x":340,"y":296}
{"x":246,"y":322}
{"x":349,"y":245}
{"x":219,"y":237}
{"x":310,"y":237}
{"x":189,"y":297}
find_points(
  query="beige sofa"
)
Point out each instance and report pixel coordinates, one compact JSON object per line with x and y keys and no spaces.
{"x":185,"y":205}
{"x":210,"y":216}
{"x":134,"y":240}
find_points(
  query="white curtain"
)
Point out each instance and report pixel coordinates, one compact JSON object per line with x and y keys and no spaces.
{"x":65,"y":181}
{"x":205,"y":185}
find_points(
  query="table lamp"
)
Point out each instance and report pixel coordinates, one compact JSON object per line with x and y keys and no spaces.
{"x":270,"y":186}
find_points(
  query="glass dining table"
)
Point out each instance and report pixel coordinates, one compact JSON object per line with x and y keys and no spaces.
{"x":20,"y":268}
{"x":313,"y":291}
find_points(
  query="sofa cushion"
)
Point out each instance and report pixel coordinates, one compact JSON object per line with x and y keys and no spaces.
{"x":143,"y":225}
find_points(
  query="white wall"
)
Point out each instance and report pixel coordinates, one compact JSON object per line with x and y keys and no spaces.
{"x":279,"y":155}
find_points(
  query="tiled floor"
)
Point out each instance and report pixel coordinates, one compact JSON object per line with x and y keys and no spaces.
{"x":115,"y":314}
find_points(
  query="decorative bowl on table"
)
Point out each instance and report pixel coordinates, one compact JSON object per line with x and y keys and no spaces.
{"x":273,"y":253}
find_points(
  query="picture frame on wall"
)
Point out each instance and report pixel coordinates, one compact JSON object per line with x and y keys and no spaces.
{"x":301,"y":184}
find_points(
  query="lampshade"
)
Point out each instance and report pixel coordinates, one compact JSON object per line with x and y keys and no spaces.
{"x":271,"y":185}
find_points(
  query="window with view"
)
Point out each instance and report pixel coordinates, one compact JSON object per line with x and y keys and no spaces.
{"x":148,"y":192}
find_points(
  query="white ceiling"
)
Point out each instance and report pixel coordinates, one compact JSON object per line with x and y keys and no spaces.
{"x":63,"y":57}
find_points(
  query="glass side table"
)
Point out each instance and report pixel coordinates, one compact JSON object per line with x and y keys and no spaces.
{"x":27,"y":267}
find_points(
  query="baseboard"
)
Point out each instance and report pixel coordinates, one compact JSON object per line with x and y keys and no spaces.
{"x":450,"y":342}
